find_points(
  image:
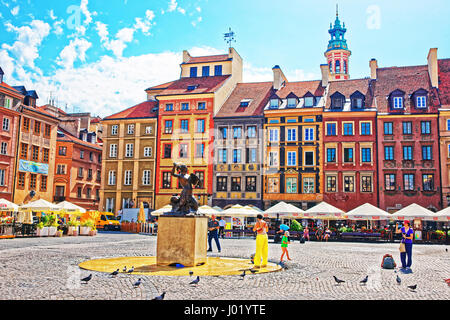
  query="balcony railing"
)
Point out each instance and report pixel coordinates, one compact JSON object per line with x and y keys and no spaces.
{"x":59,"y":198}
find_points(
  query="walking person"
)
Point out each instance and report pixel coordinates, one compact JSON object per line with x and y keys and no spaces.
{"x":406,"y":242}
{"x":262,"y":242}
{"x":213,"y":229}
{"x":284,"y":242}
{"x":222,"y":224}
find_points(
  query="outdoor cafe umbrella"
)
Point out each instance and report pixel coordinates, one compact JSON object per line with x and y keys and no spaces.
{"x":70,"y":207}
{"x":239,"y":211}
{"x":162,"y":210}
{"x":39,"y":205}
{"x":367,"y":212}
{"x":6,"y":205}
{"x":283,"y":209}
{"x":443,"y":215}
{"x":141,"y":215}
{"x":324,"y":211}
{"x":217,"y":208}
{"x":207,"y":210}
{"x":413,"y":212}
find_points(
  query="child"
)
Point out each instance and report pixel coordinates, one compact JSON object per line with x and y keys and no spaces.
{"x":284,"y":243}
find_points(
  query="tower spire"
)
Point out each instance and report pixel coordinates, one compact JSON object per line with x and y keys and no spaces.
{"x":337,"y":11}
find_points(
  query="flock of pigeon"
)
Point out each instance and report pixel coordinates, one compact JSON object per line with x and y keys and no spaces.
{"x":364,"y":281}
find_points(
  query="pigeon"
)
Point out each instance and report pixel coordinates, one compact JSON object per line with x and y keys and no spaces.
{"x":196,"y":281}
{"x":138,"y":283}
{"x":87,"y":279}
{"x":161,"y":297}
{"x":191,"y":273}
{"x":399,"y":281}
{"x":338,"y":280}
{"x":124,"y":269}
{"x":115,"y":273}
{"x":131,"y":270}
{"x":446,"y":250}
{"x":364,"y":281}
{"x":412,"y":287}
{"x":243,"y":275}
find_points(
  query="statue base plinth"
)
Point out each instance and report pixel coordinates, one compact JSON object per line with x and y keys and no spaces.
{"x":182,"y":239}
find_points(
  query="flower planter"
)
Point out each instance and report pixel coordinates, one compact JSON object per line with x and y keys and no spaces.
{"x":52,"y":231}
{"x":84,"y":231}
{"x":92,"y":233}
{"x":42,"y":232}
{"x":73,"y":231}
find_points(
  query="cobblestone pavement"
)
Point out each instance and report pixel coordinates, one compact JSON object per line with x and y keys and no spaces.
{"x":47,"y":269}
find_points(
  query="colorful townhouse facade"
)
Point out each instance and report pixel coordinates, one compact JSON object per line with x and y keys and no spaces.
{"x":186,"y":120}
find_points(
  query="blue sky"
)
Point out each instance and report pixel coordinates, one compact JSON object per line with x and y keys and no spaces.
{"x":99,"y":57}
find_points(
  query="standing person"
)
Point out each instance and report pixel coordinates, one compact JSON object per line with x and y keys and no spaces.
{"x":327,"y":234}
{"x":262,"y":242}
{"x":213,"y":228}
{"x":306,"y":232}
{"x":222,"y":224}
{"x":284,"y":245}
{"x":407,"y":239}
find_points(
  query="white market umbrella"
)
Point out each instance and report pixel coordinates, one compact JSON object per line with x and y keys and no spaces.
{"x":239,"y":211}
{"x":324,"y":211}
{"x":367,"y":211}
{"x":39,"y":205}
{"x":162,"y":210}
{"x":283,"y":209}
{"x":6,"y":205}
{"x":413,"y":211}
{"x":208,"y":211}
{"x":70,"y":207}
{"x":217,"y":208}
{"x":443,"y":215}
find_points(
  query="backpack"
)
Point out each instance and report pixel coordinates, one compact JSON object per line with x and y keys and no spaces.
{"x":388,"y":262}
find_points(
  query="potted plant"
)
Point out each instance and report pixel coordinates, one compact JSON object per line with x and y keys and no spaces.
{"x":53,"y":228}
{"x":41,"y":230}
{"x":73,"y":227}
{"x":86,"y":227}
{"x":93,"y":231}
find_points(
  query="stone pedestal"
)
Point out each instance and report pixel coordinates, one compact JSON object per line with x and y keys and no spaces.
{"x":182,"y":240}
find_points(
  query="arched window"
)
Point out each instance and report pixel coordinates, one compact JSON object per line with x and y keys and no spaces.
{"x":345,"y":66}
{"x":338,"y":66}
{"x":331,"y":66}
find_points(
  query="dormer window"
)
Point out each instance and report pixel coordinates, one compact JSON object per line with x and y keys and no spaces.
{"x":244,"y":103}
{"x":337,"y":100}
{"x":291,"y":102}
{"x":357,"y":100}
{"x":309,"y":101}
{"x":192,"y":87}
{"x":274,"y":103}
{"x":421,"y":102}
{"x":397,"y":102}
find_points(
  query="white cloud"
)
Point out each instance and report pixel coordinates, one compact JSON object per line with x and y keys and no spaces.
{"x":172,"y":5}
{"x":52,"y":15}
{"x":196,"y":22}
{"x":75,"y":50}
{"x":57,"y":29}
{"x":145,"y":24}
{"x":84,"y":9}
{"x":15,"y":11}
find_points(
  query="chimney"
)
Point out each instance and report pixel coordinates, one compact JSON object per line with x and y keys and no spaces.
{"x":186,"y":56}
{"x":279,"y":79}
{"x":433,"y":67}
{"x":325,"y":74}
{"x":373,"y":68}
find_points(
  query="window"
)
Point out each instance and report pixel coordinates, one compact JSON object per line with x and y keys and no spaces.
{"x":200,"y":150}
{"x":366,"y":183}
{"x":331,"y":129}
{"x":236,"y":156}
{"x":81,"y":154}
{"x":428,"y":182}
{"x":113,"y":150}
{"x":337,"y":103}
{"x":408,"y":182}
{"x":35,"y":153}
{"x":89,"y":173}
{"x":223,"y":132}
{"x":222,"y":184}
{"x":184,"y":126}
{"x":218,"y":70}
{"x":388,"y":128}
{"x":26,"y":124}
{"x":201,"y":106}
{"x":33,"y":181}
{"x":425,"y":127}
{"x":80,"y":172}
{"x":128,"y":177}
{"x":99,"y":175}
{"x":146,"y":177}
{"x":273,"y":135}
{"x":114,"y":130}
{"x":2,"y":177}
{"x":407,"y":127}
{"x":366,"y":154}
{"x":274,"y":103}
{"x":273,"y":158}
{"x":292,"y":158}
{"x":235,"y":183}
{"x":250,"y":184}
{"x":237,"y":132}
{"x":201,"y":125}
{"x":273,"y":185}
{"x":4,"y":148}
{"x":183,"y":150}
{"x":348,"y":129}
{"x":167,"y":151}
{"x":448,"y":124}
{"x":7,"y":103}
{"x":47,"y":130}
{"x":357,"y":103}
{"x":309,"y":158}
{"x":309,"y":101}
{"x":61,"y":169}
{"x":148,"y":130}
{"x":45,"y":155}
{"x":407,"y":153}
{"x":37,"y":127}
{"x":62,"y":150}
{"x":252,"y":155}
{"x":222,"y":155}
{"x":112,"y":178}
{"x":421,"y":101}
{"x":331,"y":154}
{"x":349,"y":184}
{"x":193,"y":72}
{"x":184,"y":106}
{"x":91,"y":156}
{"x":166,"y":180}
{"x":366,"y":128}
{"x":88,"y":193}
{"x":331,"y":184}
{"x":427,"y":153}
{"x":291,"y":134}
{"x":338,"y":66}
{"x":291,"y":185}
{"x":309,"y":134}
{"x":389,"y":182}
{"x":388,"y":153}
{"x":130,"y":129}
{"x":21,"y":182}
{"x":251,"y":132}
{"x":308,"y":185}
{"x":169,"y":107}
{"x":43,"y":183}
{"x":5,"y":125}
{"x":24,"y":151}
{"x":201,"y":179}
{"x":398,"y":102}
{"x":148,"y":151}
{"x":79,"y":192}
{"x":348,"y":155}
{"x":205,"y":71}
{"x":168,"y":126}
{"x":291,"y":102}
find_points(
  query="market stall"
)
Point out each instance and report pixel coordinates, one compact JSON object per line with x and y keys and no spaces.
{"x":416,"y":214}
{"x":7,"y":217}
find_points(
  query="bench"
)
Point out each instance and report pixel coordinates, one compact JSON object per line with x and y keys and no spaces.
{"x":361,"y":236}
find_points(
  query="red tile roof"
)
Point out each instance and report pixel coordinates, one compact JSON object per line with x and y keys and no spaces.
{"x":214,"y":58}
{"x":258,"y":92}
{"x":142,"y":110}
{"x":10,"y":89}
{"x":161,"y":86}
{"x":348,"y":87}
{"x":70,"y":138}
{"x":300,"y":88}
{"x":204,"y":85}
{"x":444,"y":81}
